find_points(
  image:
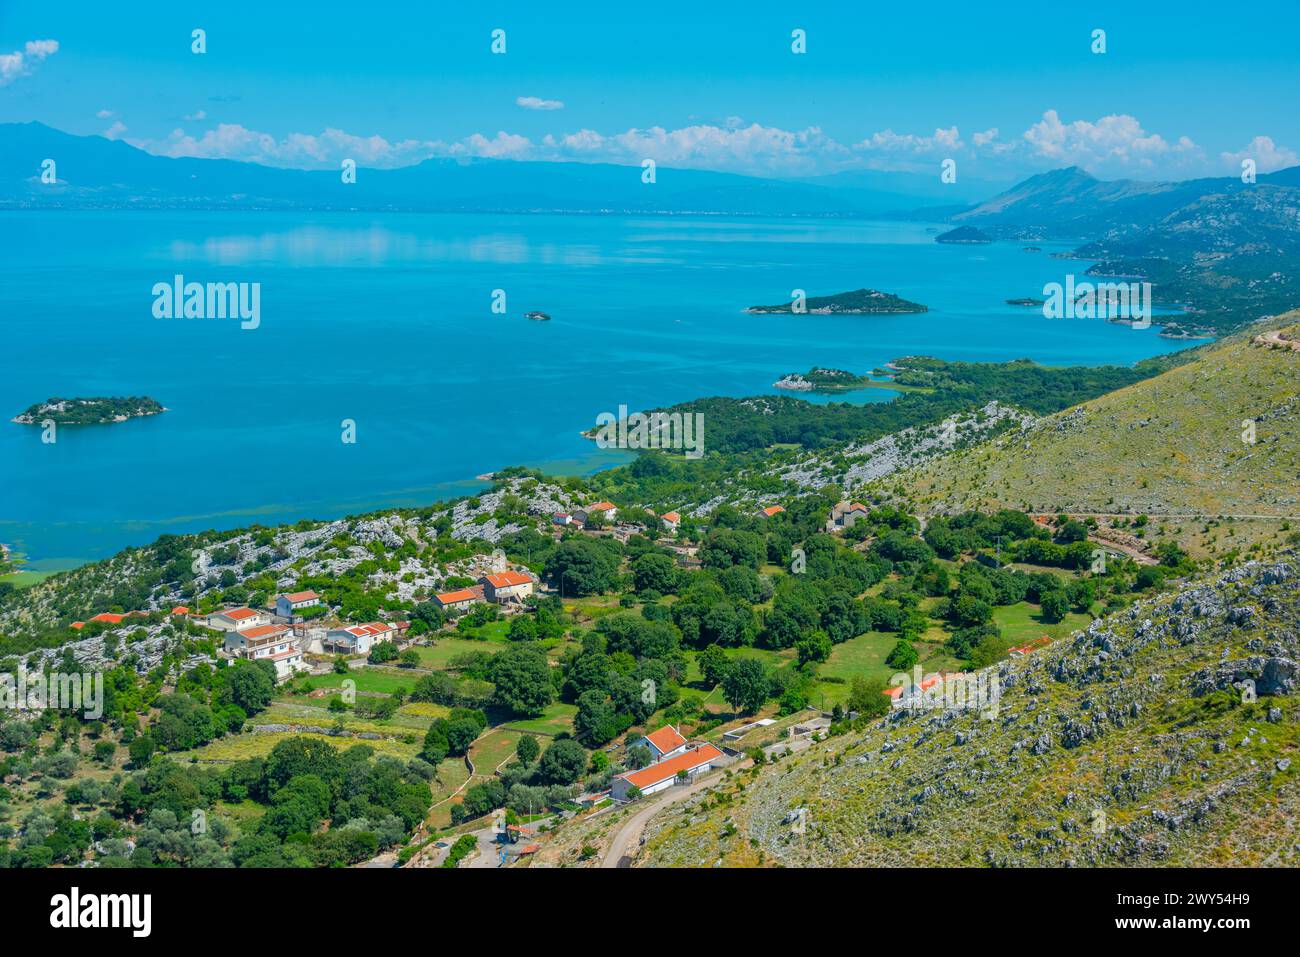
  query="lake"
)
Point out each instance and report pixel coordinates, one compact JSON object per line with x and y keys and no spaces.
{"x":386,"y":320}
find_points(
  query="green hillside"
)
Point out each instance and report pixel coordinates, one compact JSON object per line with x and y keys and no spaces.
{"x":1176,"y":447}
{"x":1128,"y":744}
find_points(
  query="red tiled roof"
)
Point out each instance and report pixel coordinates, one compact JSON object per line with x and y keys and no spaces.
{"x":666,"y":739}
{"x":180,"y":610}
{"x":301,"y":596}
{"x":772,"y":510}
{"x":664,"y":770}
{"x":109,"y":617}
{"x":238,"y":614}
{"x":78,"y":625}
{"x":507,"y":579}
{"x":370,"y":628}
{"x":252,"y":634}
{"x":600,"y":507}
{"x":451,"y":597}
{"x":671,"y":517}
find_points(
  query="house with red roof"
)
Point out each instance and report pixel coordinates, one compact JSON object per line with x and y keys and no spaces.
{"x":670,"y":520}
{"x":501,"y":587}
{"x":359,"y":639}
{"x":458,"y":600}
{"x":237,"y":619}
{"x":274,"y":643}
{"x":606,"y":510}
{"x":770,"y":511}
{"x":683,"y":767}
{"x":290,"y":604}
{"x":664,"y":743}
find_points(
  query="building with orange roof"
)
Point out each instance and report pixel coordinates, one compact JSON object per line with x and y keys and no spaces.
{"x":181,"y":610}
{"x":237,"y":619}
{"x":664,"y":743}
{"x":291,"y":603}
{"x":506,"y":586}
{"x":671,"y":520}
{"x":607,"y":510}
{"x":771,"y":510}
{"x":273,"y":643}
{"x":693,"y":761}
{"x":458,"y":600}
{"x":109,"y":617}
{"x":359,"y":639}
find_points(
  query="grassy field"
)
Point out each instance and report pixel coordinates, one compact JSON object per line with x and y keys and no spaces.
{"x":556,"y":719}
{"x":493,"y":747}
{"x":1023,"y":622}
{"x":240,"y":747}
{"x":382,"y":680}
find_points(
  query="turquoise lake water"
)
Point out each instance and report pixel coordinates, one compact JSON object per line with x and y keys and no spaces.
{"x":385,"y":319}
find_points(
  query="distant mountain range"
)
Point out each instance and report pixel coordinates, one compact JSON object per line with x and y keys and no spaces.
{"x":1226,"y":251}
{"x":94,"y":172}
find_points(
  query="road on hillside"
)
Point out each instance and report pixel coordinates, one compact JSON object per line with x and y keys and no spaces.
{"x":626,"y":838}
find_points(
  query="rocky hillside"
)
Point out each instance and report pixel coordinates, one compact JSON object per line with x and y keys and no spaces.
{"x":1135,"y":742}
{"x":1214,"y":440}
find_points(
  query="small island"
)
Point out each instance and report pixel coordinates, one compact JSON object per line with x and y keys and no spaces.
{"x":1033,"y":249}
{"x":537,"y":316}
{"x":860,"y":302}
{"x":93,"y":411}
{"x":1026,"y":301}
{"x":964,"y":235}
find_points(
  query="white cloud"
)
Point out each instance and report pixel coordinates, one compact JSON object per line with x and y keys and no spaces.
{"x":1268,"y":156}
{"x":115,"y":131}
{"x":104,"y":114}
{"x":536,"y":103}
{"x":303,"y":150}
{"x":888,"y":141}
{"x":196,"y":117}
{"x":1116,"y":141}
{"x":1111,"y":145}
{"x":20,"y":62}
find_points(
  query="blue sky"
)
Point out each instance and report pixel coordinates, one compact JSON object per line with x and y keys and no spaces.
{"x":1182,"y":89}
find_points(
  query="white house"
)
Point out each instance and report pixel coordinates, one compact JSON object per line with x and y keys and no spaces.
{"x":690,"y":762}
{"x":359,"y":639}
{"x":273,"y":643}
{"x":506,"y":586}
{"x":607,"y":510}
{"x":237,"y":619}
{"x":664,"y":743}
{"x":670,"y":520}
{"x":288,"y":605}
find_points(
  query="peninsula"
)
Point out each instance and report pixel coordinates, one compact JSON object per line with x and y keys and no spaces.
{"x":964,"y":234}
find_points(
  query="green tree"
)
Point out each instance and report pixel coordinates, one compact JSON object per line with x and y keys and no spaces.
{"x":713,"y":663}
{"x":522,"y":680}
{"x":746,"y":685}
{"x":527,"y":749}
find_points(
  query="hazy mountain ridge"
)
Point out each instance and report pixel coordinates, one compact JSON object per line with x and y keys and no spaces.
{"x":94,"y":172}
